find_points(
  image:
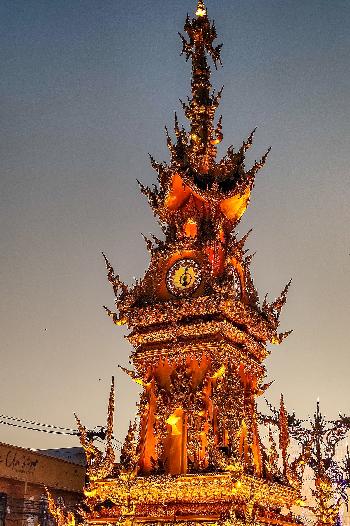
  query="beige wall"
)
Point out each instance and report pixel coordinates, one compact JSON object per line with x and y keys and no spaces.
{"x":35,"y":468}
{"x":23,"y":475}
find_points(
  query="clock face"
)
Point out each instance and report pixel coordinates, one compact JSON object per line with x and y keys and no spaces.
{"x":184,"y":277}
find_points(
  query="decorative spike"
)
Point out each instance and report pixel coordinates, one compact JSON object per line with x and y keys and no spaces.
{"x":281,"y":300}
{"x":92,"y":453}
{"x":265,"y":303}
{"x":218,"y":133}
{"x":159,"y":167}
{"x":248,"y":143}
{"x":185,"y":107}
{"x":110,"y":269}
{"x":144,"y":189}
{"x":128,"y":454}
{"x":240,"y":244}
{"x":170,"y":144}
{"x":219,"y":94}
{"x":237,"y":159}
{"x":158,"y":242}
{"x":272,"y":456}
{"x":186,"y":47}
{"x":251,"y":291}
{"x":152,"y":195}
{"x":153,"y":162}
{"x":132,"y":375}
{"x":176,"y":126}
{"x":215,"y":55}
{"x":162,"y":171}
{"x":117,"y":320}
{"x":118,"y":286}
{"x":277,"y":340}
{"x":110,"y":414}
{"x":258,"y":164}
{"x":283,"y":434}
{"x":264,"y":388}
{"x":81,"y":428}
{"x":249,"y":259}
{"x":149,"y":244}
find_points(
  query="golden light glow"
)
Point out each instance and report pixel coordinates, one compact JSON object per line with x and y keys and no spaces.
{"x":275,"y":341}
{"x":173,"y":420}
{"x":195,"y":138}
{"x":191,"y":228}
{"x":234,"y":207}
{"x":177,"y":194}
{"x":217,"y":139}
{"x":219,"y":373}
{"x":201,"y":11}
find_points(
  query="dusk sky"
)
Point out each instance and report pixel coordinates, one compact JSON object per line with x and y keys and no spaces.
{"x":86,"y":88}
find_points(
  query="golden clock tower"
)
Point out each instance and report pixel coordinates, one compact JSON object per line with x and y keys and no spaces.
{"x":200,"y":335}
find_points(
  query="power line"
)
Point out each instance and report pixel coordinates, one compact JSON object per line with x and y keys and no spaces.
{"x":51,"y":431}
{"x":33,"y":423}
{"x":97,"y":433}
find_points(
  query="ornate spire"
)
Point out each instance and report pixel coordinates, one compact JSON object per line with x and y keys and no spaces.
{"x":201,"y":108}
{"x":195,"y":187}
{"x":99,"y":465}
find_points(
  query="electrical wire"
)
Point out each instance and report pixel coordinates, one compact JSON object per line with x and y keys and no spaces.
{"x":51,"y":431}
{"x":48,"y":428}
{"x":33,"y":423}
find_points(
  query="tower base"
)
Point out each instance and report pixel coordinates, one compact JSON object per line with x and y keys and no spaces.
{"x":228,"y":498}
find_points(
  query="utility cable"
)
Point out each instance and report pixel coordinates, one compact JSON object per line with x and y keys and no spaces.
{"x":50,"y":429}
{"x":33,"y":423}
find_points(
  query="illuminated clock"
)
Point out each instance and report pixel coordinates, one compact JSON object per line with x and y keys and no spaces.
{"x":183,"y":277}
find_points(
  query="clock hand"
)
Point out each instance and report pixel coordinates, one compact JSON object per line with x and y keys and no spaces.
{"x":186,"y":278}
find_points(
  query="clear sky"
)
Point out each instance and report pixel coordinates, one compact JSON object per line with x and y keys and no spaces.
{"x":85,"y":90}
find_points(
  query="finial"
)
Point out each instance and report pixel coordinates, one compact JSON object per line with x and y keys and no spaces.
{"x":201,"y":9}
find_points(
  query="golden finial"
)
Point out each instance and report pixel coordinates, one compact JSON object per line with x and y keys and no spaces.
{"x":201,"y":9}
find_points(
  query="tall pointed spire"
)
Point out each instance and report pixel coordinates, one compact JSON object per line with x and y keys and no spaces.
{"x":201,"y":108}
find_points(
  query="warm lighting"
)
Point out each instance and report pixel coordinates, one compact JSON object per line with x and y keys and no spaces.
{"x":219,"y":373}
{"x":218,"y":139}
{"x":195,"y":138}
{"x":173,"y":420}
{"x":90,"y":494}
{"x":201,"y":12}
{"x":191,"y":228}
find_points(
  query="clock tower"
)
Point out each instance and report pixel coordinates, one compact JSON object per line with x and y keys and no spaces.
{"x":199,"y":334}
{"x":198,"y":329}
